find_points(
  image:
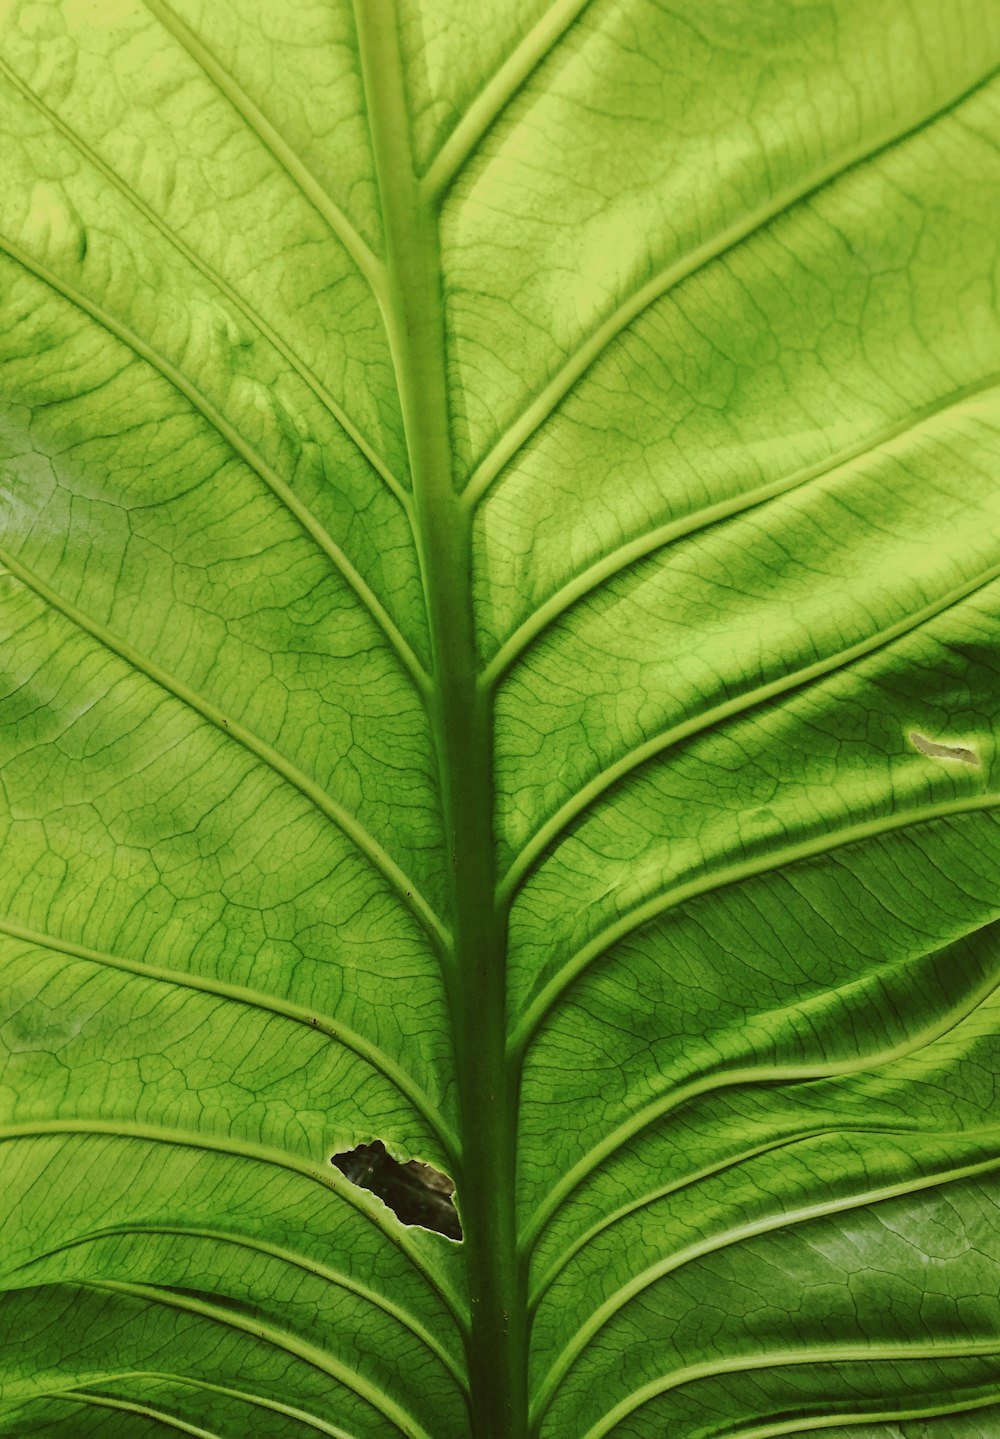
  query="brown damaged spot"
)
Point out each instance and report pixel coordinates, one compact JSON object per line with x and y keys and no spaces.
{"x":943,"y":751}
{"x":416,"y":1192}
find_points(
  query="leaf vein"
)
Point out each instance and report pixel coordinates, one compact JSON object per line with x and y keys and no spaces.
{"x":278,"y":487}
{"x":346,"y":822}
{"x":612,"y":774}
{"x":634,"y":551}
{"x":664,"y":900}
{"x":221,"y":989}
{"x":277,"y":1338}
{"x":304,"y":371}
{"x":132,"y":1406}
{"x":257,"y":122}
{"x":608,"y":1221}
{"x":272,"y":1251}
{"x":671,"y":1100}
{"x":559,"y":386}
{"x":258,"y":1401}
{"x":895,"y":1415}
{"x":737,"y":1235}
{"x":742,"y":1364}
{"x":328,"y":1177}
{"x":502,"y":87}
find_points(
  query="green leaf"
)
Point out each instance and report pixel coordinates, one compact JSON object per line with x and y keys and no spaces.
{"x":500,"y":590}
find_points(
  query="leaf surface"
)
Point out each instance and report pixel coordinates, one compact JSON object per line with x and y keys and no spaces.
{"x":500,"y":572}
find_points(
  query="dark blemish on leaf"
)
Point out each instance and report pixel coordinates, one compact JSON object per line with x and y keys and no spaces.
{"x":943,"y":751}
{"x":415,"y":1192}
{"x":81,"y":246}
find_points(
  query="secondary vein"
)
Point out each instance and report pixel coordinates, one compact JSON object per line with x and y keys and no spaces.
{"x":670,"y":898}
{"x":581,"y":801}
{"x":290,"y":1344}
{"x":301,"y":1262}
{"x":221,"y":989}
{"x":777,"y":1359}
{"x":258,"y":1401}
{"x":346,"y":822}
{"x":296,"y":362}
{"x":132,"y":1406}
{"x":496,"y":95}
{"x":227,"y":432}
{"x":738,"y":1234}
{"x":560,"y":384}
{"x":673,"y":1099}
{"x":643,"y":546}
{"x":367,"y":263}
{"x":328,"y":1177}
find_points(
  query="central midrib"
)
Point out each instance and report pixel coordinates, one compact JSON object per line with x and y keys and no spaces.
{"x":474,"y":965}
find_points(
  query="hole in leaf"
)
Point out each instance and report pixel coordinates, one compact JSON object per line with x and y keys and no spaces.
{"x":416,"y":1193}
{"x":943,"y":751}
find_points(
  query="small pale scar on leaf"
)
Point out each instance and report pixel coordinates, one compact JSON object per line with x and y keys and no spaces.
{"x":943,"y":751}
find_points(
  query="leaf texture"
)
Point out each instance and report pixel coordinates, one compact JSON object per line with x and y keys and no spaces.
{"x":499,"y":577}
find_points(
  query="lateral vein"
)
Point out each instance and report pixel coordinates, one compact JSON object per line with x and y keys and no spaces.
{"x":777,"y":1359}
{"x":306,"y":374}
{"x":645,"y":545}
{"x":278,"y":487}
{"x":660,"y":903}
{"x":132,"y":1406}
{"x":604,"y":781}
{"x":498,"y":92}
{"x":221,"y":989}
{"x":278,"y":1338}
{"x":272,"y":1251}
{"x":257,"y":122}
{"x":737,"y":1235}
{"x":346,"y":822}
{"x":673,"y":1099}
{"x":667,"y":279}
{"x":258,"y":1401}
{"x":329,"y":1177}
{"x":734,"y":1161}
{"x":895,"y":1415}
